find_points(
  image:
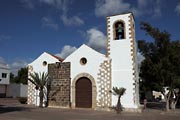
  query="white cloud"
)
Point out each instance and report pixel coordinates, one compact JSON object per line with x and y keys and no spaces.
{"x":150,"y":7}
{"x":140,"y":58}
{"x":52,"y":2}
{"x":177,"y":9}
{"x":61,"y":6}
{"x":143,"y":7}
{"x":66,"y":50}
{"x":108,"y":7}
{"x":74,"y":20}
{"x":58,"y":4}
{"x":96,"y":39}
{"x":16,"y":65}
{"x":64,"y":6}
{"x":48,"y":22}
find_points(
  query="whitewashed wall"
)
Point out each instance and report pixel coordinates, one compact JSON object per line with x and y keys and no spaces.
{"x":4,"y":69}
{"x":122,"y":64}
{"x":38,"y":63}
{"x":94,"y":59}
{"x":37,"y":66}
{"x":17,"y":90}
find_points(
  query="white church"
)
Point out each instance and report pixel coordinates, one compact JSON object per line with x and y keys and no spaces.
{"x":85,"y":78}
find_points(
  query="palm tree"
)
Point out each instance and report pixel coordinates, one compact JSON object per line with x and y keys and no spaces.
{"x":40,"y":81}
{"x":118,"y":92}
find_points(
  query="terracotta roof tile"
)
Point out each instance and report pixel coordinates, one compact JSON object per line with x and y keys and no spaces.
{"x":60,"y":59}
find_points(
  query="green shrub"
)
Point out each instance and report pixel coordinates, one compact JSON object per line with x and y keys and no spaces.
{"x":23,"y":100}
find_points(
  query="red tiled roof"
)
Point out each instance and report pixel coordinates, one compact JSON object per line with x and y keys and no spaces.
{"x":60,"y":59}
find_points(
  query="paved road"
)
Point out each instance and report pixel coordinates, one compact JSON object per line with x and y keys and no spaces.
{"x":15,"y":111}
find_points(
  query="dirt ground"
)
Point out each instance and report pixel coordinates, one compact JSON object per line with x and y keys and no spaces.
{"x":10,"y":109}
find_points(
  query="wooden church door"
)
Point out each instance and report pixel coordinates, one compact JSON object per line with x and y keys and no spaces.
{"x":83,"y":93}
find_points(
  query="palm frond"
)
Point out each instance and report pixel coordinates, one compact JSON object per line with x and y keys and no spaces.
{"x":39,"y":79}
{"x":45,"y":78}
{"x":32,"y":81}
{"x":118,"y":91}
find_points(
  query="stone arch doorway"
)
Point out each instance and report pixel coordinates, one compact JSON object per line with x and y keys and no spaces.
{"x":73,"y":88}
{"x":83,"y":93}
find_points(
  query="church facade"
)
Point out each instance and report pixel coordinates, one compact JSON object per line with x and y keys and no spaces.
{"x":86,"y":77}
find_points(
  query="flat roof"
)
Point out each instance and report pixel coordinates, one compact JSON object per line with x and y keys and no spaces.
{"x":4,"y":66}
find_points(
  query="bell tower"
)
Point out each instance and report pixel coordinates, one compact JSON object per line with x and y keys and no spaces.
{"x":121,"y":48}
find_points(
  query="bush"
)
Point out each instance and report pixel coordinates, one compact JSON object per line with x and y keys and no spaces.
{"x":23,"y":100}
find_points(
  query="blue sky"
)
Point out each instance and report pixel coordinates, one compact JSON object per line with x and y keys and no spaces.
{"x":30,"y":27}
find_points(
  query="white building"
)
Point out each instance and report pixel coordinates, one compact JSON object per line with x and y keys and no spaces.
{"x":4,"y":79}
{"x":92,"y":74}
{"x":39,"y":65}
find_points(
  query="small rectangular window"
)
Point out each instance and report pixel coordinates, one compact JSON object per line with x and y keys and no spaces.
{"x":4,"y":75}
